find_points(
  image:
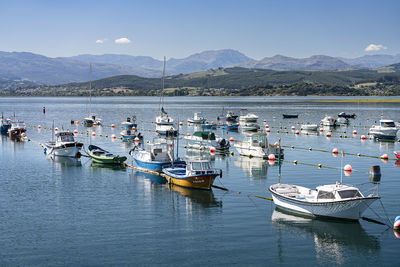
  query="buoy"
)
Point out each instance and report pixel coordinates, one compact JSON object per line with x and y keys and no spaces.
{"x":295,"y":162}
{"x":319,"y":166}
{"x":268,"y":130}
{"x":293,"y":128}
{"x":56,"y":129}
{"x":113,"y":136}
{"x":136,"y":139}
{"x":335,"y":151}
{"x":348,"y":168}
{"x":212,"y":150}
{"x":77,"y":122}
{"x":188,"y":134}
{"x":321,"y":130}
{"x":328,"y":134}
{"x":94,"y":123}
{"x":112,"y":126}
{"x":271,"y":157}
{"x":264,"y":120}
{"x":231,"y":139}
{"x":347,"y":173}
{"x":180,"y":123}
{"x":75,"y":132}
{"x":310,"y":148}
{"x":266,"y":126}
{"x":212,"y":122}
{"x":385,"y":156}
{"x":93,"y":134}
{"x":297,"y":132}
{"x":39,"y":126}
{"x":133,"y":128}
{"x":354,"y":132}
{"x":363,"y":137}
{"x":232,"y":154}
{"x":276,"y":144}
{"x":184,"y":147}
{"x":396,"y":225}
{"x":271,"y":161}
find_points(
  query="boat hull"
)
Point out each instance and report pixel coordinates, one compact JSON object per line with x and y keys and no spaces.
{"x":351,"y":209}
{"x":204,"y":182}
{"x":68,"y":150}
{"x":157,"y":166}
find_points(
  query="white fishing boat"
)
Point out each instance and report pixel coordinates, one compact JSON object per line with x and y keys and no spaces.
{"x":197,"y":119}
{"x":249,"y":127}
{"x":328,"y":121}
{"x":334,"y":200}
{"x":164,"y":123}
{"x":65,"y":145}
{"x":309,"y":127}
{"x":385,"y":130}
{"x":256,"y":145}
{"x":249,"y":117}
{"x":205,"y":140}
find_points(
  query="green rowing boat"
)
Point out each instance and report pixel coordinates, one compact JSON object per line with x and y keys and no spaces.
{"x":100,"y":155}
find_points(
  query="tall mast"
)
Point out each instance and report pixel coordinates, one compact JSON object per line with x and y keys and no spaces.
{"x":90,"y":89}
{"x":163,"y":85}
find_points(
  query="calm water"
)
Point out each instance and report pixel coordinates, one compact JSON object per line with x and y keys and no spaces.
{"x":66,"y":212}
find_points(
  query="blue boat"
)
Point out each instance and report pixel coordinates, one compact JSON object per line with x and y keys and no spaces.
{"x":5,"y":125}
{"x":158,"y":155}
{"x":129,"y":133}
{"x":230,"y":127}
{"x":208,"y":126}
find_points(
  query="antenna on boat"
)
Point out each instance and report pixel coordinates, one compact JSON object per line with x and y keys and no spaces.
{"x":177,"y":142}
{"x":52,"y":132}
{"x":341,"y":167}
{"x":279,"y":161}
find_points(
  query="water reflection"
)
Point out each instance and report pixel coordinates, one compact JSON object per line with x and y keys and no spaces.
{"x":334,"y":240}
{"x":254,"y":167}
{"x":64,"y":162}
{"x":204,"y":198}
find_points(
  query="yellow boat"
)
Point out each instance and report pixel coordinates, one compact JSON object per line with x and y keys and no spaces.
{"x":197,"y":174}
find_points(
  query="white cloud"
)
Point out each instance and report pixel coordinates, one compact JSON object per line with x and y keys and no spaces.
{"x":375,"y":47}
{"x":99,"y":41}
{"x":122,"y":41}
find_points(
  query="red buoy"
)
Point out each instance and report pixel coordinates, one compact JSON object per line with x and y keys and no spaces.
{"x":39,"y":126}
{"x":113,"y":136}
{"x":354,"y":132}
{"x":293,"y":128}
{"x":93,"y":134}
{"x":335,"y":151}
{"x":276,"y":144}
{"x":321,"y":130}
{"x":75,"y":132}
{"x":363,"y":137}
{"x":136,"y":139}
{"x":231,"y":139}
{"x":328,"y":134}
{"x":56,"y":129}
{"x":77,"y":122}
{"x":348,"y":168}
{"x":271,"y":157}
{"x":385,"y":156}
{"x":112,"y":126}
{"x":297,"y":132}
{"x":212,"y":150}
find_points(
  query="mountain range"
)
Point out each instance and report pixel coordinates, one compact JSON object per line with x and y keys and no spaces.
{"x":25,"y":66}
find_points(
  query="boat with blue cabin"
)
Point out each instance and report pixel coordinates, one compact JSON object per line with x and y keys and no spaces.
{"x":386,"y":129}
{"x":158,"y":154}
{"x":129,"y":132}
{"x":5,"y":125}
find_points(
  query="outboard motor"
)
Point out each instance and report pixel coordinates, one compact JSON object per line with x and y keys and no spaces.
{"x":375,"y":174}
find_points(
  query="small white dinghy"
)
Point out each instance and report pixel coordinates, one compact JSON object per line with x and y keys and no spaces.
{"x":334,"y":200}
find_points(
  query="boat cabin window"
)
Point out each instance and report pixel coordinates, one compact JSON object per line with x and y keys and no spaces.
{"x":196,"y":166}
{"x":387,"y":124}
{"x":66,"y":138}
{"x":206,"y":166}
{"x":325,"y":195}
{"x":349,"y":193}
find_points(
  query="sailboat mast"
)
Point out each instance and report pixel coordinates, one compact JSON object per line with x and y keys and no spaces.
{"x":163,"y":86}
{"x":90,"y":89}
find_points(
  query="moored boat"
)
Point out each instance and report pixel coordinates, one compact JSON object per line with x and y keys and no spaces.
{"x":347,"y":116}
{"x":290,"y":116}
{"x":219,"y":143}
{"x":385,"y":130}
{"x":197,"y":174}
{"x":158,"y":154}
{"x":197,"y":118}
{"x":100,"y":155}
{"x":230,"y":126}
{"x":256,"y":145}
{"x":17,"y":130}
{"x":5,"y":124}
{"x":230,"y":116}
{"x":328,"y":121}
{"x":129,"y":130}
{"x":309,"y":127}
{"x":64,"y":146}
{"x":249,"y":127}
{"x":249,"y":117}
{"x":334,"y":200}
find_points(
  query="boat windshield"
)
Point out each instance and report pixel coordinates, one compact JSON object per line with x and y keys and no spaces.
{"x":206,"y":166}
{"x":387,"y":124}
{"x":66,"y":137}
{"x":325,"y":195}
{"x":349,"y":193}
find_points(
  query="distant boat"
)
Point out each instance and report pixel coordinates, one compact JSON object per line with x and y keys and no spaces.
{"x":347,"y":116}
{"x":17,"y":130}
{"x":309,"y":127}
{"x":197,"y":174}
{"x":328,"y":121}
{"x":5,"y":125}
{"x":197,"y":118}
{"x":249,"y":127}
{"x":100,"y":155}
{"x":64,"y":146}
{"x":230,"y":116}
{"x":129,"y":130}
{"x":209,"y":138}
{"x":248,"y":118}
{"x":230,"y":126}
{"x":334,"y":200}
{"x":385,"y":130}
{"x":290,"y":116}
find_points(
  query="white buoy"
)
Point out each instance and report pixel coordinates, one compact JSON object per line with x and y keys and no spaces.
{"x":231,"y":139}
{"x":271,"y":157}
{"x":385,"y":156}
{"x":348,"y":168}
{"x":321,"y":130}
{"x":75,"y":132}
{"x":328,"y":134}
{"x":113,"y":136}
{"x":335,"y":151}
{"x":293,"y":128}
{"x":136,"y":139}
{"x":212,"y":150}
{"x":56,"y":129}
{"x":396,"y":225}
{"x":297,"y":132}
{"x":354,"y":132}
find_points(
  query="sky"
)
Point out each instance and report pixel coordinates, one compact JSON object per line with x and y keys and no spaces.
{"x":179,"y":28}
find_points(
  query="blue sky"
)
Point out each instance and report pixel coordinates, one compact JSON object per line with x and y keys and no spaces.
{"x":180,"y":28}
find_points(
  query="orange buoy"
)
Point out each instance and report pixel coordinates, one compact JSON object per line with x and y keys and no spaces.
{"x":385,"y":156}
{"x":93,"y":134}
{"x":328,"y":134}
{"x":212,"y":122}
{"x":363,"y":137}
{"x":77,"y":122}
{"x":39,"y":126}
{"x":188,"y":134}
{"x":112,"y":126}
{"x":271,"y":157}
{"x":231,"y":139}
{"x":348,"y":168}
{"x":94,"y":123}
{"x":276,"y":144}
